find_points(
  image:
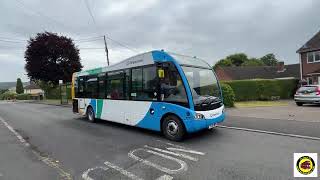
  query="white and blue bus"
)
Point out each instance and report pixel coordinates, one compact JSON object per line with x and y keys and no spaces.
{"x":157,"y":90}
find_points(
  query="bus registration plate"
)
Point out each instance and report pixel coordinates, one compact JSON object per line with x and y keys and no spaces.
{"x":212,"y":126}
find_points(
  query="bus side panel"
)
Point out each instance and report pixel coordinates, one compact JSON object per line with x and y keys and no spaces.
{"x":122,"y":111}
{"x":152,"y":121}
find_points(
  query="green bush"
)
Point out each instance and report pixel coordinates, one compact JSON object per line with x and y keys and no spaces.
{"x":23,"y":96}
{"x":228,"y":95}
{"x":54,"y":93}
{"x":8,"y":95}
{"x":263,"y":89}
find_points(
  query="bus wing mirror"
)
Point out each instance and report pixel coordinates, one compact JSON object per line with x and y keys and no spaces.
{"x":160,"y":73}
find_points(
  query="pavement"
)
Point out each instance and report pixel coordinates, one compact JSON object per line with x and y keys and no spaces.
{"x":305,"y":113}
{"x":108,"y":150}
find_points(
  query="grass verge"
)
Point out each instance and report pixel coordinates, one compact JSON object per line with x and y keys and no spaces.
{"x":244,"y":104}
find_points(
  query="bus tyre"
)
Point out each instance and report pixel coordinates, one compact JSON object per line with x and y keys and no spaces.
{"x":90,"y":114}
{"x":173,"y":128}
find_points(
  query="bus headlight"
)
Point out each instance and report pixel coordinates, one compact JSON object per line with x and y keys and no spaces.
{"x":199,"y":116}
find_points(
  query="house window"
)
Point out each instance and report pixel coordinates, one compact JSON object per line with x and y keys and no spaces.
{"x":317,"y":56}
{"x":313,"y":57}
{"x":310,"y":57}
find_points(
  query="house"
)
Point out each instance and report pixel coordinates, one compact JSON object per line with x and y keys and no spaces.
{"x":34,"y":90}
{"x":281,"y":71}
{"x":309,"y":55}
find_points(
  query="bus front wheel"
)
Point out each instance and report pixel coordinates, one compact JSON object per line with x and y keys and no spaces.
{"x":90,"y":114}
{"x":173,"y":128}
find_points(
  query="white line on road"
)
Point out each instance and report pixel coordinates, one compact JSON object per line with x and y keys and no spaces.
{"x":86,"y":176}
{"x":165,"y":177}
{"x":270,"y":132}
{"x":188,"y":151}
{"x":183,"y":165}
{"x":122,"y":171}
{"x":173,"y":153}
{"x":48,"y":161}
{"x":21,"y":139}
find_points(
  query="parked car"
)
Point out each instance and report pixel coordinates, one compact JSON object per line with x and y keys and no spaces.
{"x":309,"y":94}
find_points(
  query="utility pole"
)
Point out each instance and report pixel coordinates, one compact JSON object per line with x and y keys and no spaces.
{"x":106,"y":48}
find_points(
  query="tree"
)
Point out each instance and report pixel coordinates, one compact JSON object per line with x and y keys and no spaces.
{"x":269,"y":59}
{"x":238,"y":59}
{"x":3,"y":91}
{"x":50,"y":58}
{"x":253,"y":62}
{"x":232,"y":60}
{"x":223,"y":63}
{"x":19,"y":86}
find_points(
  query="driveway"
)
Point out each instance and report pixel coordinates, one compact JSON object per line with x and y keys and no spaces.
{"x":306,"y":113}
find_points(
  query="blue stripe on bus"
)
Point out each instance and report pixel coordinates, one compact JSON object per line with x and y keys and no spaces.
{"x":152,"y":122}
{"x":93,"y":103}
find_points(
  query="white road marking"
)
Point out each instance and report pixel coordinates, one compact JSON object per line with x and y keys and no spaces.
{"x":172,"y":153}
{"x":20,"y":138}
{"x":186,"y":150}
{"x":165,"y":177}
{"x":183,"y":165}
{"x":86,"y":176}
{"x":270,"y":132}
{"x":171,"y":144}
{"x":122,"y":171}
{"x":48,"y":161}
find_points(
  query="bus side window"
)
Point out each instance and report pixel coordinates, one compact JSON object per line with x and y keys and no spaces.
{"x":136,"y":84}
{"x":80,"y":89}
{"x":91,"y":87}
{"x":150,"y":82}
{"x":101,"y":84}
{"x":144,"y":83}
{"x":115,"y":87}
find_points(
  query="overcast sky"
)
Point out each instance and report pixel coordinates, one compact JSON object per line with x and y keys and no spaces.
{"x":210,"y":29}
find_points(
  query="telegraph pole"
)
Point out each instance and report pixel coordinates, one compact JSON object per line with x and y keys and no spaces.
{"x":106,"y":48}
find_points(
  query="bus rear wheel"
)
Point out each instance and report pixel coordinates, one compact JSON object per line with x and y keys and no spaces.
{"x":173,"y":128}
{"x":90,"y":115}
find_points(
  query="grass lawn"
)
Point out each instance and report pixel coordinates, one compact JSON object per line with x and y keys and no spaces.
{"x":260,"y":103}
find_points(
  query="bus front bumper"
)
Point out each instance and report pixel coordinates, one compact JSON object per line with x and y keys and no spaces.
{"x":194,"y":125}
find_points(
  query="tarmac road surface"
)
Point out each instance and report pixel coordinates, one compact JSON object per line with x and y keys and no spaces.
{"x":65,"y":146}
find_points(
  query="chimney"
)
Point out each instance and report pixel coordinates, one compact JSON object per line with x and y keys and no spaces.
{"x":280,"y":66}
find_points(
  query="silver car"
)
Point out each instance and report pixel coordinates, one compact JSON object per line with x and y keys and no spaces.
{"x":309,"y":94}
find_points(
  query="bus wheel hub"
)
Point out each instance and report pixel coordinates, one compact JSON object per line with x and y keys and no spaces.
{"x":172,"y":128}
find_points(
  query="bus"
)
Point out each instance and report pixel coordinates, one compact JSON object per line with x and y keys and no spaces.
{"x":161,"y":91}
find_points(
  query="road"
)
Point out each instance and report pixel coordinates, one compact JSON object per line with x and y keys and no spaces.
{"x":65,"y":146}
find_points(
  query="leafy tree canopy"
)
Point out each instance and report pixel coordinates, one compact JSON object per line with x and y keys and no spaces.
{"x":50,"y":58}
{"x":241,"y":59}
{"x":19,"y":86}
{"x":269,"y":60}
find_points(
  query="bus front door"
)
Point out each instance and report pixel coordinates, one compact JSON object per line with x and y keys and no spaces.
{"x":81,"y":103}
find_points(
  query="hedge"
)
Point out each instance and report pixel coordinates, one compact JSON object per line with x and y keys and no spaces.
{"x":8,"y":95}
{"x":54,"y":93}
{"x":263,"y":89}
{"x":228,"y":95}
{"x":23,"y":96}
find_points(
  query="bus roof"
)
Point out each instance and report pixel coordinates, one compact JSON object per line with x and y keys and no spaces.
{"x":146,"y":59}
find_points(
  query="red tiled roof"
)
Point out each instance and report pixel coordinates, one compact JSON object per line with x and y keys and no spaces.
{"x":312,"y":45}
